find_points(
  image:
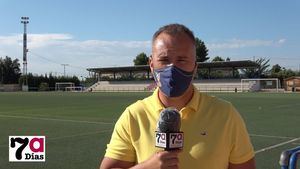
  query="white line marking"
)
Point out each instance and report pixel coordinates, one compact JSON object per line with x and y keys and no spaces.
{"x":270,"y":136}
{"x":285,"y":105}
{"x":53,"y":119}
{"x":69,"y":136}
{"x":277,"y":145}
{"x":14,"y":113}
{"x":78,"y":135}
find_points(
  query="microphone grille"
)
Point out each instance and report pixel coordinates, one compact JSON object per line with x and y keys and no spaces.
{"x":169,"y":120}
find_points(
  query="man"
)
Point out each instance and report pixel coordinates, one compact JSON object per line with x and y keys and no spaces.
{"x":215,"y":134}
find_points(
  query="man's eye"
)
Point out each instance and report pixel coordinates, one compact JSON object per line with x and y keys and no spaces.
{"x":164,"y":61}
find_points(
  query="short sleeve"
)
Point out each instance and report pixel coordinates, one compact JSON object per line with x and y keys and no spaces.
{"x":241,"y":149}
{"x":120,"y":146}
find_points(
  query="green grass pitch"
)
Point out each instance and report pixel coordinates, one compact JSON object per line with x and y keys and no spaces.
{"x":78,"y":126}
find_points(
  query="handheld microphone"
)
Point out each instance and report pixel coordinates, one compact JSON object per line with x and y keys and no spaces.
{"x":168,"y":135}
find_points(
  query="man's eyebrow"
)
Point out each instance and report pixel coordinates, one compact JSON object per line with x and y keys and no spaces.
{"x":182,"y":57}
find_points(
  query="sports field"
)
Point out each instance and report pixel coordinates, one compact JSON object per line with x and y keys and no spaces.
{"x":78,"y":125}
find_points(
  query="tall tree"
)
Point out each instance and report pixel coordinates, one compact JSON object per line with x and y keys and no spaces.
{"x":9,"y":70}
{"x":141,"y":59}
{"x":275,"y":69}
{"x":201,"y":51}
{"x":1,"y":71}
{"x":260,"y":71}
{"x":218,"y":59}
{"x":47,"y":82}
{"x":281,"y":73}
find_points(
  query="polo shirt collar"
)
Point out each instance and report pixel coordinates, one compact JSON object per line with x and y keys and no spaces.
{"x":192,"y":104}
{"x":158,"y":106}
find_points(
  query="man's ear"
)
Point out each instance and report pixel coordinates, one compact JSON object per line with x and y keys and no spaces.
{"x":150,"y":62}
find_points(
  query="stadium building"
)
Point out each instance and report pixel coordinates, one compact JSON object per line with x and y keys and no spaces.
{"x":139,"y":78}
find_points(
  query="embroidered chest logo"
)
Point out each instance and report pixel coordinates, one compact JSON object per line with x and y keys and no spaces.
{"x":203,"y":133}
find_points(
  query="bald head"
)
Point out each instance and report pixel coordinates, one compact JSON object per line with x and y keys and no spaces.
{"x":174,"y":30}
{"x":173,"y":45}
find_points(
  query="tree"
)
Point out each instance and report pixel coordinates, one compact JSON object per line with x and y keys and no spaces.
{"x":281,"y":73}
{"x":43,"y":86}
{"x":46,"y":82}
{"x":1,"y":71}
{"x":201,"y":51}
{"x":9,"y":70}
{"x":260,"y":71}
{"x":275,"y":69}
{"x":218,"y":59}
{"x":141,"y":59}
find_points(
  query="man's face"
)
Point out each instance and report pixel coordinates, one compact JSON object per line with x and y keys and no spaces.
{"x":178,"y":51}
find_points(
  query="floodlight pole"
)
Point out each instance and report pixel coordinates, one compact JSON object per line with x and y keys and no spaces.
{"x":25,"y":21}
{"x":64,"y":65}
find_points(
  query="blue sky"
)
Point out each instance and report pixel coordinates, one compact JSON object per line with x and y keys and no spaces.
{"x":98,"y":33}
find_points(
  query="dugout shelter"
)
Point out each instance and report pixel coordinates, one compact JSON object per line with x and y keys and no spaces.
{"x":115,"y":72}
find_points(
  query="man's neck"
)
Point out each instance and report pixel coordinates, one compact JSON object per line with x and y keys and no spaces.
{"x":177,"y":102}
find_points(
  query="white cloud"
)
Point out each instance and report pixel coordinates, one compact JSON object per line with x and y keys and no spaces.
{"x":240,"y":43}
{"x":280,"y":41}
{"x":8,"y":40}
{"x":45,"y":49}
{"x":42,"y":40}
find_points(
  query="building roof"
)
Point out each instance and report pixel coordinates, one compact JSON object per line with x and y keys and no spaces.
{"x":201,"y":65}
{"x":293,"y":77}
{"x":228,"y":64}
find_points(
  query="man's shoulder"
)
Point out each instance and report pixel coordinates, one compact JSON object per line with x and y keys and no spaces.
{"x":140,"y":106}
{"x":213,"y":100}
{"x":215,"y":105}
{"x":136,"y":106}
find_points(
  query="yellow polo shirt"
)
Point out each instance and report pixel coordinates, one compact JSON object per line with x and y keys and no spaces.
{"x":214,"y":133}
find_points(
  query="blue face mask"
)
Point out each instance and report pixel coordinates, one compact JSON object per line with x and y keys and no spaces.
{"x":173,"y":81}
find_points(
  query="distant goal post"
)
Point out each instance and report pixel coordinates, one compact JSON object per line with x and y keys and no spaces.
{"x":75,"y":89}
{"x":62,"y":86}
{"x":260,"y":84}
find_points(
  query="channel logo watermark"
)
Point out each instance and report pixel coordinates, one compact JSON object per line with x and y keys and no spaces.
{"x":27,"y":148}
